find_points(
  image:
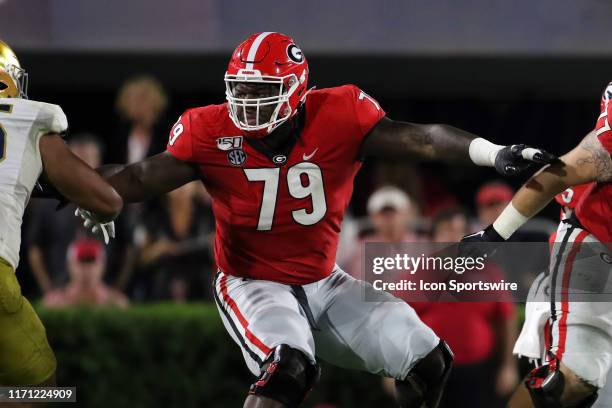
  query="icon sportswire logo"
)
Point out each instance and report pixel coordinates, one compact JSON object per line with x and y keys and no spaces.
{"x":309,"y":156}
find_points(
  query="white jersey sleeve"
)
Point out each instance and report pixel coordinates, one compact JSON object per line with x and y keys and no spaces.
{"x":22,"y":123}
{"x":51,"y":119}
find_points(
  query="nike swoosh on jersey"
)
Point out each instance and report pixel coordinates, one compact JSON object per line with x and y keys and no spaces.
{"x":309,"y":156}
{"x":476,"y":234}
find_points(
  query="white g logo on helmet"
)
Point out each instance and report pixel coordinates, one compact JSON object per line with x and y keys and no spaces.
{"x":295,"y":54}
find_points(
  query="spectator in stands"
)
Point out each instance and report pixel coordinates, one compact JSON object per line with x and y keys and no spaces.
{"x":392,"y":217}
{"x":86,"y":264}
{"x":175,"y":242}
{"x":50,"y":232}
{"x":481,"y":334}
{"x":143,"y":129}
{"x":491,"y":199}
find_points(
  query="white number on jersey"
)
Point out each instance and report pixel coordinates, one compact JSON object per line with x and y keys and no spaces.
{"x":177,"y":130}
{"x":567,"y":195}
{"x":314,"y":189}
{"x":268,"y":202}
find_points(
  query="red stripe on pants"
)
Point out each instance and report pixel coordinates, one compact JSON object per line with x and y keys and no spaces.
{"x":243,"y":322}
{"x":567,"y":271}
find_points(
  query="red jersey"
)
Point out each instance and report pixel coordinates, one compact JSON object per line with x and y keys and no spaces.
{"x":278,"y":217}
{"x":594,"y":209}
{"x":571,"y":196}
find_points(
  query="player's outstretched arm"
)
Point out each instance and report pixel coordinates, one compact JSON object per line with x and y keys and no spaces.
{"x":390,"y":138}
{"x":151,"y":177}
{"x":76,"y":181}
{"x":587,"y":162}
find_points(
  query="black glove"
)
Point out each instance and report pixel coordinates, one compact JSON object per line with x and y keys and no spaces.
{"x":480,"y":244}
{"x":520,"y":159}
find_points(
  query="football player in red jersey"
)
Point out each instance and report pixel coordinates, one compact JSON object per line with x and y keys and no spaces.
{"x":279,"y":161}
{"x":575,"y":341}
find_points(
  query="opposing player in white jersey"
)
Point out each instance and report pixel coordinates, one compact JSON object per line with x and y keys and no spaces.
{"x":31,"y":145}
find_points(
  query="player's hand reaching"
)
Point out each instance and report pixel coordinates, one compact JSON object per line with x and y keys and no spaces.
{"x":520,"y":159}
{"x":90,"y":221}
{"x":481,"y":243}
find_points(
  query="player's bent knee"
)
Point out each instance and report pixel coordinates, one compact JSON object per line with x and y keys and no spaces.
{"x":550,"y":387}
{"x":287,"y":376}
{"x":424,"y":384}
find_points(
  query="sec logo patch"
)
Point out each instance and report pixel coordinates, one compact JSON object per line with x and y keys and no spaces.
{"x":236,"y":157}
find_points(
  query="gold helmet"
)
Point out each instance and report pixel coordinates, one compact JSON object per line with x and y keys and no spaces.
{"x":13,"y":78}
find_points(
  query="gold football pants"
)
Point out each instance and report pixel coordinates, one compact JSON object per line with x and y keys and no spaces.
{"x":25,"y":355}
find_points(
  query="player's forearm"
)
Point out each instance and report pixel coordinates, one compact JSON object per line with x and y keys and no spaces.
{"x":398,"y":139}
{"x":109,"y":170}
{"x":432,"y":142}
{"x":451,"y":144}
{"x":576,"y":167}
{"x":127,"y":180}
{"x":151,"y":177}
{"x":130,"y":183}
{"x":540,"y":189}
{"x":76,"y":181}
{"x":531,"y":199}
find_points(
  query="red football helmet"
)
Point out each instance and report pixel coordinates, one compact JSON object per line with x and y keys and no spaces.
{"x":271,"y":59}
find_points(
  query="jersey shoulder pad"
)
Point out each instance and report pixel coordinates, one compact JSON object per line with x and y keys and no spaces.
{"x":193,"y":129}
{"x":366,"y":109}
{"x":205,"y":121}
{"x":51,"y":118}
{"x":208,"y":115}
{"x":345,"y":99}
{"x":339,"y":94}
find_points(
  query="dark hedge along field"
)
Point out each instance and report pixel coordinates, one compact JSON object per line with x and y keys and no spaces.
{"x":167,"y":355}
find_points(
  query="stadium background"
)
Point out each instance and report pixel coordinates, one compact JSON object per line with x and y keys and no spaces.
{"x":508,"y":71}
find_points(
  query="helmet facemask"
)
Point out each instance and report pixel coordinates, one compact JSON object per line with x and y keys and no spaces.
{"x":251,"y":113}
{"x":13,"y":76}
